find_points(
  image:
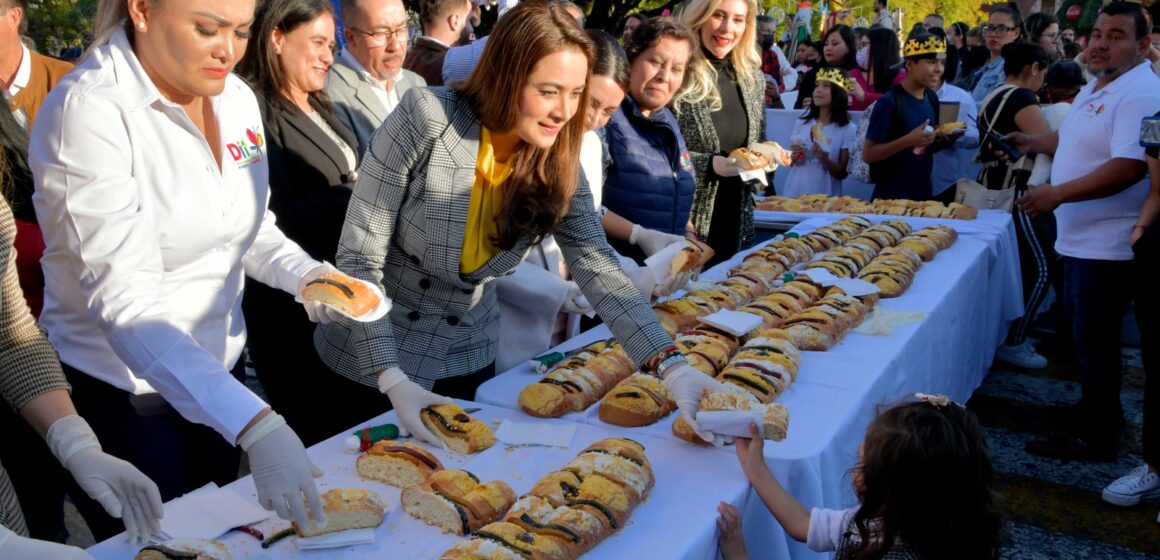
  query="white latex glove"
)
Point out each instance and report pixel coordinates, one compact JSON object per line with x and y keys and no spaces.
{"x":17,"y":547}
{"x":120,"y":488}
{"x":409,"y":399}
{"x":283,"y":474}
{"x":317,"y":312}
{"x":575,"y":302}
{"x":673,"y":283}
{"x":688,"y":385}
{"x":641,"y":277}
{"x":725,"y":167}
{"x":651,"y":241}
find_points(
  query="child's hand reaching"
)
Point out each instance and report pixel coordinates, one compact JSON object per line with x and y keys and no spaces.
{"x":751,"y":453}
{"x":731,"y":543}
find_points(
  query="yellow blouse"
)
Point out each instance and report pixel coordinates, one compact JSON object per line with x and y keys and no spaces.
{"x":486,"y":199}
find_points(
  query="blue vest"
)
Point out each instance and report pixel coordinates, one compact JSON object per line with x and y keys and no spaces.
{"x":650,"y":181}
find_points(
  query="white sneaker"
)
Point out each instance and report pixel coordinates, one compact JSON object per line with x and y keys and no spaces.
{"x":1023,"y":355}
{"x":1128,"y":490}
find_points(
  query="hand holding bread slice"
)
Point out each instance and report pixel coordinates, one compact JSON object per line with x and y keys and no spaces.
{"x":774,"y":154}
{"x":357,"y":299}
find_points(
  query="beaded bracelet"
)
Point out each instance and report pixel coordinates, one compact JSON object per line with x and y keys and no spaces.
{"x":664,"y":359}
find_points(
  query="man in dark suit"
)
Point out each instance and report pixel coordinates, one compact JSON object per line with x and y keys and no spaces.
{"x":443,"y":25}
{"x":367,"y":80}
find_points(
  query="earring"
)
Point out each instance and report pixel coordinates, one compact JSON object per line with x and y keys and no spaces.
{"x":141,"y":25}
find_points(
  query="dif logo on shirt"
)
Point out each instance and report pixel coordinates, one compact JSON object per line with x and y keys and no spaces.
{"x":248,"y":151}
{"x":1093,"y":111}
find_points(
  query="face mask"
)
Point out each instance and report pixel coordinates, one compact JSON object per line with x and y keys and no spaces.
{"x":863,"y":57}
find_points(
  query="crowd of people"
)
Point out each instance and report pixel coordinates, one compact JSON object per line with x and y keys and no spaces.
{"x":167,"y":199}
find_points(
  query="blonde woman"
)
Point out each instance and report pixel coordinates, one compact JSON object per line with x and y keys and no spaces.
{"x":719,"y":111}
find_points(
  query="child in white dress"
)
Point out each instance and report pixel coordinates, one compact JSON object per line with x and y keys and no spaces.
{"x":822,"y":139}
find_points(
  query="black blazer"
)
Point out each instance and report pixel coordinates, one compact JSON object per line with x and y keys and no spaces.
{"x":310,"y":179}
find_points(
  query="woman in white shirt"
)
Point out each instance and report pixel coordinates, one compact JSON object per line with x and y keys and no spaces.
{"x":150,"y":229}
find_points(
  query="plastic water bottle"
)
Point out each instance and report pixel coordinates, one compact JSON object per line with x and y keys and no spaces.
{"x":799,"y":149}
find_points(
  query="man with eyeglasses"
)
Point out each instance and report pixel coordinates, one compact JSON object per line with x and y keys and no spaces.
{"x":367,"y":80}
{"x":1004,"y":26}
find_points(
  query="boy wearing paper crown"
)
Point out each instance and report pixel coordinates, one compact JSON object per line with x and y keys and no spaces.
{"x":901,"y":138}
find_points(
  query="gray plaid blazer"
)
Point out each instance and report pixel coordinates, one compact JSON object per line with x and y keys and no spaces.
{"x":29,"y":367}
{"x":404,"y":231}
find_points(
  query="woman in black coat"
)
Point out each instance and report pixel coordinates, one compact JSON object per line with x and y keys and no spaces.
{"x":313,"y":162}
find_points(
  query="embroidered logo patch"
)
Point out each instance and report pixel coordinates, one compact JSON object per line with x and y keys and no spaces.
{"x":247,"y":151}
{"x":686,"y":163}
{"x":1093,"y":111}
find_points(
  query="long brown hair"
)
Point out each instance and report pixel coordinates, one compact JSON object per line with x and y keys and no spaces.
{"x":542,"y":180}
{"x":262,"y":68}
{"x":925,"y":481}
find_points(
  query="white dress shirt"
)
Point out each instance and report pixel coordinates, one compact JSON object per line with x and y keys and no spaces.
{"x":19,"y":82}
{"x":148,"y":243}
{"x":389,"y":98}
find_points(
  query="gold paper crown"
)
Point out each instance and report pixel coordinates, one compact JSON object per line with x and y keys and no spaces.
{"x":933,"y":45}
{"x":834,"y":76}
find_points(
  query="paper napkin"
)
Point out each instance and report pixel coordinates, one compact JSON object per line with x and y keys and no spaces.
{"x":208,"y":513}
{"x":523,"y":433}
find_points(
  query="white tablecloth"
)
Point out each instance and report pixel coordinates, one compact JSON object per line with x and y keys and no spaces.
{"x":678,"y":520}
{"x":969,"y":292}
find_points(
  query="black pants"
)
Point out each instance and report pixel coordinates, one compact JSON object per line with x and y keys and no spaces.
{"x":148,"y":432}
{"x":39,"y":480}
{"x":1096,"y":307}
{"x":464,"y":386}
{"x":1036,"y":240}
{"x":725,"y":226}
{"x":1147,"y":264}
{"x":315,"y":401}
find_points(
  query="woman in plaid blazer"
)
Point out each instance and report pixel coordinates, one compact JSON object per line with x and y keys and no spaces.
{"x":406,"y":225}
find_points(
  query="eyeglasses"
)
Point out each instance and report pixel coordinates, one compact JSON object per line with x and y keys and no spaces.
{"x":383,"y":36}
{"x":998,"y":29}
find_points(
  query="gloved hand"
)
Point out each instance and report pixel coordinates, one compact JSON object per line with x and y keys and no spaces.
{"x":688,"y":385}
{"x":673,"y":283}
{"x":575,"y":302}
{"x":651,"y":241}
{"x":282,"y":472}
{"x":16,"y":546}
{"x":118,"y":486}
{"x":409,"y":399}
{"x":641,"y":278}
{"x":317,"y":312}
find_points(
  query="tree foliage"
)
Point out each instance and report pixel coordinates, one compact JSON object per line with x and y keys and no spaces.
{"x":968,"y":11}
{"x":610,"y":14}
{"x":59,"y":24}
